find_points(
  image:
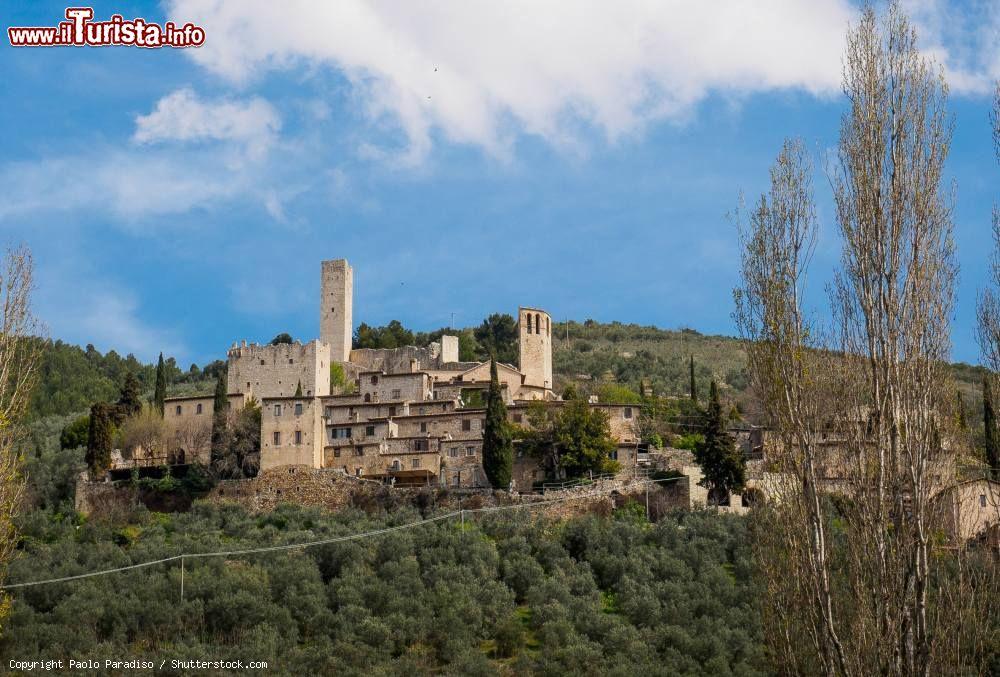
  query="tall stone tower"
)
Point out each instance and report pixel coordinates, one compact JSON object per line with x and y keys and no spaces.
{"x":535,"y":334}
{"x":336,"y":305}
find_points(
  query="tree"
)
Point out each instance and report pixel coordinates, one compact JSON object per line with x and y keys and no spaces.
{"x":283,"y":337}
{"x":574,"y":442}
{"x":220,"y":424}
{"x":19,"y":357}
{"x":392,"y":335}
{"x":100,"y":439}
{"x":75,"y":434}
{"x":497,"y":336}
{"x":851,"y":586}
{"x":693,"y":388}
{"x":130,"y":401}
{"x":498,"y":451}
{"x":241,"y":458}
{"x":990,"y":432}
{"x":160,"y":390}
{"x":144,"y":431}
{"x":721,"y":463}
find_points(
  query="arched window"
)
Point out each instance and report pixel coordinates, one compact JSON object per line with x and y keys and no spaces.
{"x":529,"y":326}
{"x":538,"y":323}
{"x":368,"y":397}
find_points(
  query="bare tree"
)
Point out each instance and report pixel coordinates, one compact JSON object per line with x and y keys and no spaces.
{"x":195,"y":439}
{"x":864,"y":439}
{"x":19,"y":353}
{"x":143,"y":437}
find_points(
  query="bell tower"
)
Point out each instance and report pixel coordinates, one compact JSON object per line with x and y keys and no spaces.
{"x":535,"y":342}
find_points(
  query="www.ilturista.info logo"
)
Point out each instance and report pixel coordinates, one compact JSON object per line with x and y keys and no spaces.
{"x":80,"y":31}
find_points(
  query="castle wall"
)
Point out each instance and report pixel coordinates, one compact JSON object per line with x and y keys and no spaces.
{"x":398,"y":360}
{"x":265,"y":371}
{"x":336,"y":321}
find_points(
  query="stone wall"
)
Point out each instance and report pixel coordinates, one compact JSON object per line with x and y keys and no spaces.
{"x":336,"y":308}
{"x":291,"y":432}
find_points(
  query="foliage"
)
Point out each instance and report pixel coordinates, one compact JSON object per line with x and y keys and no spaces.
{"x":497,"y":336}
{"x":100,"y":438}
{"x":498,"y":451}
{"x":392,"y":335}
{"x":990,"y":432}
{"x":508,"y":594}
{"x":721,"y":462}
{"x":572,"y":443}
{"x":613,"y":393}
{"x":338,"y":379}
{"x":160,"y":389}
{"x":241,"y":456}
{"x":220,"y":424}
{"x":283,"y":337}
{"x":130,"y":400}
{"x":690,"y":442}
{"x":145,"y":430}
{"x":76,"y":433}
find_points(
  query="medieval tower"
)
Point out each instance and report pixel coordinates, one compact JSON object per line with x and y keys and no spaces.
{"x":336,"y":304}
{"x":535,"y":334}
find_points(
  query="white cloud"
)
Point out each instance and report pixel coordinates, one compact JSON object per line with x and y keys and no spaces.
{"x":965,"y":41}
{"x":480,"y":72}
{"x":182,"y":116}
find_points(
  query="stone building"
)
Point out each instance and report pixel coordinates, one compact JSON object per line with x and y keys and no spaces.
{"x":411,"y":415}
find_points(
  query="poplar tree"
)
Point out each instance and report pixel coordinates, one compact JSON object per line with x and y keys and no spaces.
{"x":160,"y":391}
{"x":498,"y":451}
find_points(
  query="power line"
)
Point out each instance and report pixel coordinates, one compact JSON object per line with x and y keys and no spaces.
{"x":325,"y":541}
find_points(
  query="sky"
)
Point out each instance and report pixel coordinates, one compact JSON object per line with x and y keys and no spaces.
{"x":466,"y":157}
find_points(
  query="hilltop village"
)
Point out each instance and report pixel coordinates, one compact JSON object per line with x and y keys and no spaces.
{"x":408,"y":416}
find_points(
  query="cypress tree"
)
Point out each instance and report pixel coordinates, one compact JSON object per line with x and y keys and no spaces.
{"x":694,"y":388}
{"x":160,"y":392}
{"x":130,"y":401}
{"x":990,"y":426}
{"x":220,"y":432}
{"x":498,"y":450}
{"x":100,"y":438}
{"x":721,"y":462}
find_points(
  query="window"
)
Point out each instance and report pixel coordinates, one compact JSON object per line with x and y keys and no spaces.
{"x":517,"y":418}
{"x":628,"y":412}
{"x":420,"y":445}
{"x":374,"y":380}
{"x":392,"y":411}
{"x":458,"y":478}
{"x":178,"y":410}
{"x":538,"y":323}
{"x":336,"y":452}
{"x":368,"y":397}
{"x":298,"y":437}
{"x":277,"y":410}
{"x":277,"y":438}
{"x":529,"y":325}
{"x":298,"y":408}
{"x":395,"y":464}
{"x":370,"y":430}
{"x":359,"y":451}
{"x":453,"y":452}
{"x":328,"y":412}
{"x":422,"y":410}
{"x":613,"y":455}
{"x":262,"y":363}
{"x":395,"y":394}
{"x":423,"y":426}
{"x":415,"y":463}
{"x":466,"y":424}
{"x":197,"y":409}
{"x":291,"y":361}
{"x":470,"y":451}
{"x":357,"y":472}
{"x":982,"y":500}
{"x":340,"y":433}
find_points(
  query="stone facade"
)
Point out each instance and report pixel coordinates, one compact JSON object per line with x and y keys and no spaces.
{"x":262,"y":371}
{"x":535,"y":343}
{"x":188,"y":422}
{"x":291,"y":432}
{"x":336,"y":312}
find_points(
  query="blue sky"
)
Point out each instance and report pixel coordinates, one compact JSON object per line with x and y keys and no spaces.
{"x":465,"y":157}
